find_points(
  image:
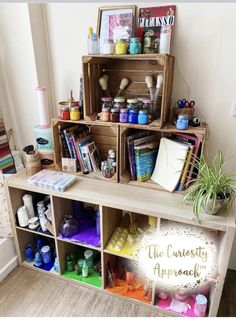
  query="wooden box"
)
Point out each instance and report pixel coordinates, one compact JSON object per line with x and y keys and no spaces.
{"x":133,"y":67}
{"x":165,"y":131}
{"x":106,"y":137}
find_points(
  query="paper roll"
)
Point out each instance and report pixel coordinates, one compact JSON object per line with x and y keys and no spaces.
{"x":42,"y":107}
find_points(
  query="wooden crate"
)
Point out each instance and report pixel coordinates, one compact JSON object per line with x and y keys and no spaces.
{"x":166,"y":130}
{"x":106,"y":137}
{"x":135,"y":68}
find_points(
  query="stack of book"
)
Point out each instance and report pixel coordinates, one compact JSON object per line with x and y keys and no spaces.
{"x":78,"y":144}
{"x":174,"y":167}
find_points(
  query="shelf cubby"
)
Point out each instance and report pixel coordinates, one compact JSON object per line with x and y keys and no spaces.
{"x":94,"y":277}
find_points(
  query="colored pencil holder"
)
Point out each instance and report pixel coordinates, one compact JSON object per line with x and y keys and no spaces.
{"x":189,"y":112}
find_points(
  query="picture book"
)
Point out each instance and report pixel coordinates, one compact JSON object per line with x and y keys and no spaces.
{"x":169,"y":164}
{"x":185,"y":169}
{"x":150,"y":22}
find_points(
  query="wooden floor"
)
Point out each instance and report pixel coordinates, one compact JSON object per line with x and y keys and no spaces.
{"x":27,"y":293}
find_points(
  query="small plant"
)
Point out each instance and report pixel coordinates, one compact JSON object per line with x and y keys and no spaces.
{"x":212,"y":189}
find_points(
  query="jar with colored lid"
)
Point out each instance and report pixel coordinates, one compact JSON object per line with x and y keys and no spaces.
{"x":65,"y":113}
{"x":135,"y":46}
{"x":182,"y":122}
{"x":114,"y":116}
{"x":147,"y":105}
{"x":124,"y":115}
{"x":75,"y":113}
{"x":108,"y":47}
{"x":143,"y":117}
{"x":107,"y":102}
{"x":133,"y":116}
{"x":121,"y":47}
{"x":132,"y":104}
{"x":119,"y":102}
{"x":105,"y":115}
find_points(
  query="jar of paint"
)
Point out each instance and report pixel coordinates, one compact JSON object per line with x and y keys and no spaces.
{"x":108,"y":47}
{"x":121,"y":47}
{"x":133,"y":116}
{"x":119,"y":102}
{"x":46,"y":254}
{"x":132,"y":104}
{"x":135,"y":46}
{"x":182,"y":122}
{"x":65,"y":113}
{"x":107,"y":102}
{"x":88,"y":255}
{"x":105,"y":115}
{"x":114,"y":116}
{"x":75,"y":113}
{"x":143,"y":117}
{"x":200,"y":306}
{"x":124,"y":115}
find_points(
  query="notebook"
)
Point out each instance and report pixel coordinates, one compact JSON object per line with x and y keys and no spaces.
{"x":169,"y":164}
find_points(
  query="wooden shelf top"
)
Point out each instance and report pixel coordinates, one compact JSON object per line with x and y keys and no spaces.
{"x":136,"y":199}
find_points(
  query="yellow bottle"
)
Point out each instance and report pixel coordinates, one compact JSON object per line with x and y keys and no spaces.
{"x":121,"y":47}
{"x":74,"y":113}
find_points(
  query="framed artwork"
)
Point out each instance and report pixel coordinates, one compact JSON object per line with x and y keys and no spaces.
{"x":116,"y":23}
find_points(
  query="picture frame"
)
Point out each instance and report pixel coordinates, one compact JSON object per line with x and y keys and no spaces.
{"x":116,"y":22}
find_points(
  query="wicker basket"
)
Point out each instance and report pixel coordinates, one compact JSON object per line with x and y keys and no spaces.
{"x":184,"y":111}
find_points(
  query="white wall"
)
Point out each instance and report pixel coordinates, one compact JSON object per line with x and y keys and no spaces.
{"x":204,"y":47}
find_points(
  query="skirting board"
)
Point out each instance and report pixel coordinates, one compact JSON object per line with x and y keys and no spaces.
{"x":8,"y":268}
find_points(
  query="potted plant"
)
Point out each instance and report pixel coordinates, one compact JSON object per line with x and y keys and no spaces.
{"x":212,"y":189}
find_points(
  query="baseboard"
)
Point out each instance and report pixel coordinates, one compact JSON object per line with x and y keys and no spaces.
{"x":8,"y":268}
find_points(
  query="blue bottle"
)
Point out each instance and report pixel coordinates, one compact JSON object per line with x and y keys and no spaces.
{"x":29,"y":253}
{"x":133,"y":116}
{"x":38,"y":260}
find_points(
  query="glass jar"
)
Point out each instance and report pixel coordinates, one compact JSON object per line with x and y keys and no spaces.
{"x":143,"y":117}
{"x":119,"y":102}
{"x":105,"y":115}
{"x":147,"y":105}
{"x":108,"y":47}
{"x":132,"y":104}
{"x":121,"y":47}
{"x":46,"y":254}
{"x":114,"y":116}
{"x":88,"y":256}
{"x":135,"y":46}
{"x":65,"y":113}
{"x":107,"y":102}
{"x":75,"y":113}
{"x":182,"y":122}
{"x":69,"y":227}
{"x":107,"y":169}
{"x":124,"y":115}
{"x":133,"y":116}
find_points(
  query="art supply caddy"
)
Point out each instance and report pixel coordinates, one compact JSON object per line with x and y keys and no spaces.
{"x":108,"y":135}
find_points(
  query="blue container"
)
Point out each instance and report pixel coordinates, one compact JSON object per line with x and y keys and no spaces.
{"x":142,"y":117}
{"x":38,"y":260}
{"x":46,"y":254}
{"x":133,"y":116}
{"x":98,"y":223}
{"x":182,"y":122}
{"x":135,"y":46}
{"x":56,"y":266}
{"x":29,"y":253}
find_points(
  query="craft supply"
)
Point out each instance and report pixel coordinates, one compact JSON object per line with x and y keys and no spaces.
{"x":42,"y":219}
{"x":23,"y":217}
{"x":106,"y":102}
{"x":56,"y":265}
{"x":123,"y":84}
{"x":43,"y":138}
{"x":93,"y":43}
{"x":88,"y":256}
{"x":150,"y":43}
{"x":43,"y":109}
{"x":107,"y":169}
{"x":105,"y":115}
{"x":114,"y":167}
{"x":181,"y":296}
{"x":29,"y":253}
{"x":69,"y":165}
{"x":46,"y":254}
{"x":179,"y":306}
{"x":75,"y":113}
{"x":165,"y":39}
{"x":124,"y":115}
{"x":133,"y":116}
{"x":129,"y":277}
{"x":85,"y":269}
{"x":46,"y":158}
{"x":69,"y":226}
{"x":119,"y":102}
{"x":121,"y":47}
{"x":163,"y":295}
{"x":103,"y":82}
{"x":65,"y":113}
{"x":111,"y":157}
{"x":28,"y":203}
{"x":98,"y":223}
{"x":108,"y":47}
{"x":143,"y":117}
{"x":149,"y":82}
{"x":69,"y":263}
{"x":33,"y":223}
{"x":135,"y":46}
{"x":114,"y":116}
{"x":53,"y":180}
{"x":200,"y":306}
{"x":80,"y":263}
{"x":118,"y":238}
{"x":158,"y":87}
{"x":38,"y":260}
{"x":132,"y":104}
{"x":182,"y":122}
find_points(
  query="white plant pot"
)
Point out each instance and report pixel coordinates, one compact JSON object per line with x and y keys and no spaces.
{"x":208,"y":209}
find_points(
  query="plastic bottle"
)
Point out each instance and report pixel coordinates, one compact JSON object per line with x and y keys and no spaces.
{"x":42,"y":219}
{"x":28,"y":203}
{"x":93,"y":42}
{"x":165,"y":38}
{"x":85,"y":269}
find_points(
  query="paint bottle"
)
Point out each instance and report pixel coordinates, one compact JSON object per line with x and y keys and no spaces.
{"x":85,"y":269}
{"x":28,"y":203}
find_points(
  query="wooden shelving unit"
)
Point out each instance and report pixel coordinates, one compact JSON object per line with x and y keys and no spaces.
{"x":113,"y":199}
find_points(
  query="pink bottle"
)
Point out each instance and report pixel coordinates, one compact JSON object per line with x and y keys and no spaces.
{"x":200,"y":306}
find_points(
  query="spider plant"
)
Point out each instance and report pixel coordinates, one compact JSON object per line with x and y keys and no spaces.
{"x":212,"y":189}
